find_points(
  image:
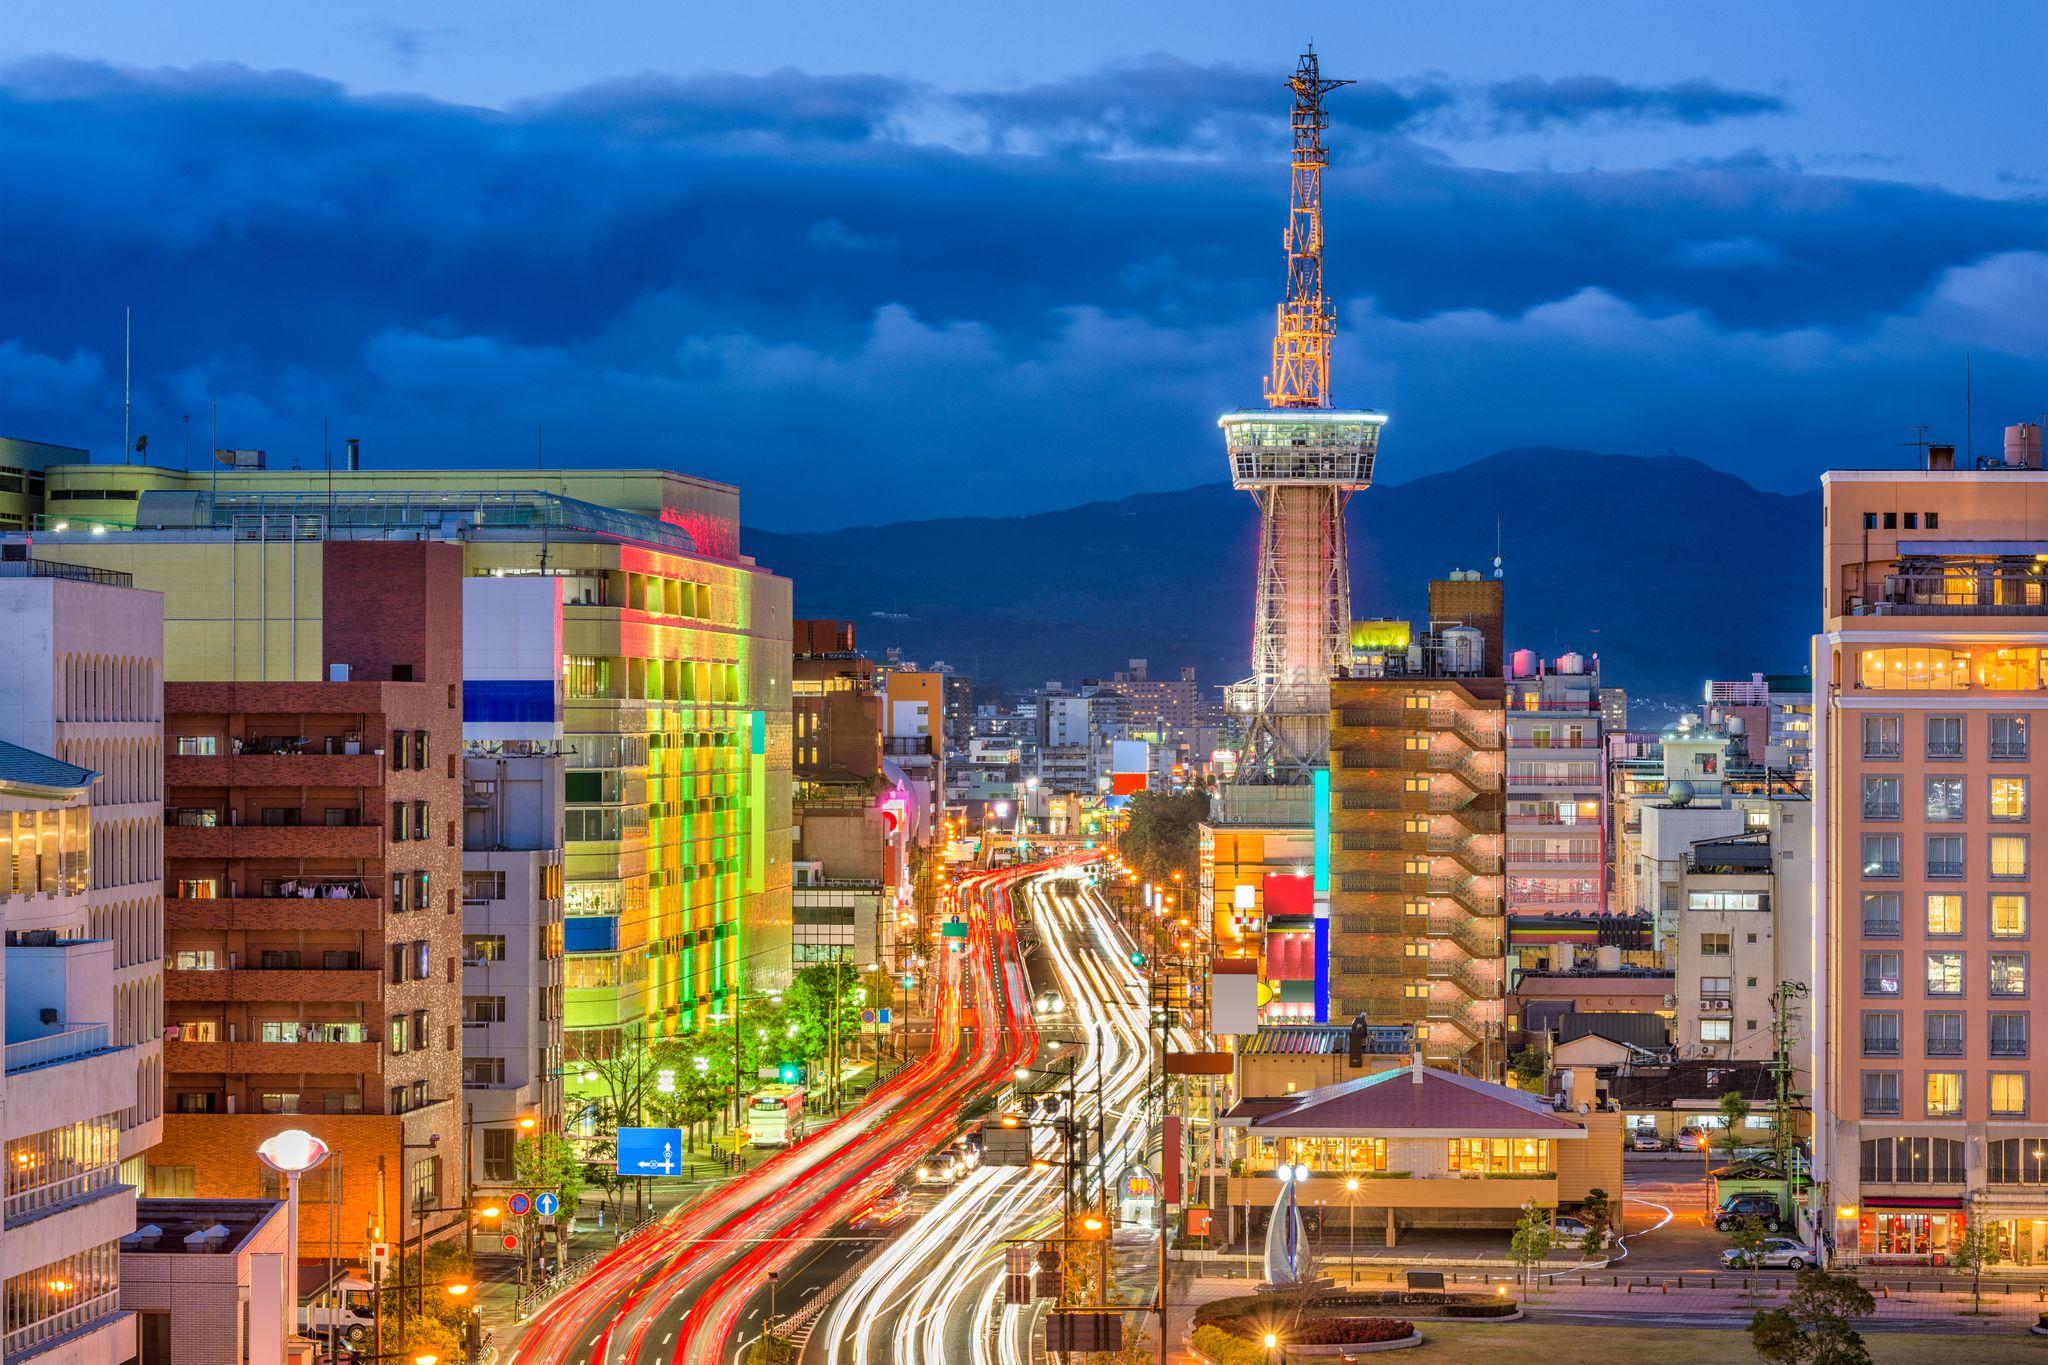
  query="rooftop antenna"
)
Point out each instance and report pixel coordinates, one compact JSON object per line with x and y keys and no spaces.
{"x":1919,"y":441}
{"x":127,"y":378}
{"x":1969,"y":412}
{"x":1498,"y":572}
{"x":1302,"y":332}
{"x":539,"y":432}
{"x":185,"y":455}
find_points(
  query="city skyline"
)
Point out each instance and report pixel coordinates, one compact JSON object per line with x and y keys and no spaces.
{"x":1617,"y":232}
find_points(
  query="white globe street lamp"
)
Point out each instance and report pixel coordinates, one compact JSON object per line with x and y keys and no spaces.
{"x":291,"y":1154}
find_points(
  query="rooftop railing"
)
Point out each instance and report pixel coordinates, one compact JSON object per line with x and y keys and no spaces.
{"x":51,"y":568}
{"x":76,"y":1040}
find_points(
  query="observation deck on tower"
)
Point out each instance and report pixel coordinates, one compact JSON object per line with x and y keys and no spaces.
{"x":1274,"y":447}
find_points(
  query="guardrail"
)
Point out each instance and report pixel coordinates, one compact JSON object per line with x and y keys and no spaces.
{"x":78,"y":1040}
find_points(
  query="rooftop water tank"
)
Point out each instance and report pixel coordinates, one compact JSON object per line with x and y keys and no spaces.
{"x":1523,"y":663}
{"x":2023,"y":445}
{"x":1572,"y":663}
{"x":1463,"y":650}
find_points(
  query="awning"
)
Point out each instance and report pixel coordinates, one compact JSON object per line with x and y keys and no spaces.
{"x":1891,"y":1204}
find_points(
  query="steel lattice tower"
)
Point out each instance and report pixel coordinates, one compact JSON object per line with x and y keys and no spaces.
{"x":1301,"y":460}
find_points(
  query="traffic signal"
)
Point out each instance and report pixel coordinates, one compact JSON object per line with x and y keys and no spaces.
{"x":1137,"y":958}
{"x":789,"y":1073}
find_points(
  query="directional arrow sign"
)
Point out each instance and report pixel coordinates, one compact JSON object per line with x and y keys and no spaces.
{"x":546,"y":1204}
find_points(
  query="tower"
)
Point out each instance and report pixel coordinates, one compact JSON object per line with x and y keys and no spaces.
{"x":1301,"y":460}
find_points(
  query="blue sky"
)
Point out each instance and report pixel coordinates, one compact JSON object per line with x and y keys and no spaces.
{"x":872,"y":261}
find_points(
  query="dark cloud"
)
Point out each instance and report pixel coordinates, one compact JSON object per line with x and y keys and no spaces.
{"x":1532,"y":104}
{"x":405,"y":44}
{"x":879,"y":273}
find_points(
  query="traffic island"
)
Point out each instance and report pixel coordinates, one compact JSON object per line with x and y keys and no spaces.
{"x":1242,"y":1341}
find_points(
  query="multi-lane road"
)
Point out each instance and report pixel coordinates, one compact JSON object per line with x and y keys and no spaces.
{"x":678,"y":1294}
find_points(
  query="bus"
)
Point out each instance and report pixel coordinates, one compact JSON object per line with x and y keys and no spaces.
{"x":775,"y":1117}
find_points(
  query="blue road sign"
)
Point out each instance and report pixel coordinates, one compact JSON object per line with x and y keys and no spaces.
{"x":519,"y":1204}
{"x":546,"y":1204}
{"x":650,"y":1151}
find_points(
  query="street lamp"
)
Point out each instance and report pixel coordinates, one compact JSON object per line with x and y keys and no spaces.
{"x":1351,"y":1191}
{"x":1272,"y":1343}
{"x":291,"y":1154}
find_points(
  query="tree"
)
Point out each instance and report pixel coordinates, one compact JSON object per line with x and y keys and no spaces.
{"x":1814,"y":1327}
{"x":1734,"y":1119}
{"x":1531,"y":1242}
{"x":1748,"y":1237}
{"x":546,"y":1161}
{"x":1597,"y":1213}
{"x":1974,"y":1250}
{"x":1529,"y":1067}
{"x":1162,"y":833}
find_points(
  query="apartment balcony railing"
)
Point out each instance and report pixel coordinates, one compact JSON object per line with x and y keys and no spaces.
{"x":1882,"y":928}
{"x":1944,"y":870}
{"x":2008,"y":1047}
{"x":1959,"y":591}
{"x":2008,"y":750}
{"x":1881,"y":869}
{"x":1883,"y":748}
{"x":1572,"y":857}
{"x":1944,"y":750}
{"x":1586,"y":779}
{"x":24,"y":1204}
{"x":1944,"y":1047}
{"x":1880,"y":1106}
{"x":1880,"y":1047}
{"x":63,"y":1321}
{"x":69,"y":1044}
{"x":1529,"y":742}
{"x":1880,"y":810}
{"x":355,"y":985}
{"x":273,"y":912}
{"x":907,"y":746}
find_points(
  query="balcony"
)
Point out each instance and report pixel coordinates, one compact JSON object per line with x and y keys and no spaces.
{"x":1527,"y":742}
{"x":1881,"y":869}
{"x":1882,"y":748}
{"x":1960,"y":590}
{"x":313,"y":768}
{"x":1880,"y":1106}
{"x":68,"y":1044}
{"x":1880,"y":810}
{"x":1944,"y":750}
{"x":1571,"y":779}
{"x":1880,"y":1047}
{"x":272,"y":1059}
{"x":2008,"y":750}
{"x":65,"y":1321}
{"x":1882,"y":928}
{"x":357,"y":985}
{"x":2008,"y":1047}
{"x":358,"y":913}
{"x":222,"y":842}
{"x":1944,"y":870}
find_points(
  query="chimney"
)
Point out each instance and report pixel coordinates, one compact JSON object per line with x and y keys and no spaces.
{"x":1941,"y":457}
{"x":355,"y":454}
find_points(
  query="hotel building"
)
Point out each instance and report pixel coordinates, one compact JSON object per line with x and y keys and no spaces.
{"x":1931,"y":679}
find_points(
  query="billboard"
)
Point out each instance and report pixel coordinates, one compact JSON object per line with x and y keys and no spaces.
{"x":650,"y":1151}
{"x":1130,"y":766}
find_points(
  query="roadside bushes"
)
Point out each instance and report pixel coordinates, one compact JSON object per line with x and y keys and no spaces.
{"x":1324,"y":1331}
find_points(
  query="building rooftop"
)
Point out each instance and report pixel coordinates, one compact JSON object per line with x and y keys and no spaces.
{"x":1412,"y":1101}
{"x":197,"y":1227}
{"x":1326,"y":1040}
{"x":40,"y":773}
{"x":1648,"y":1032}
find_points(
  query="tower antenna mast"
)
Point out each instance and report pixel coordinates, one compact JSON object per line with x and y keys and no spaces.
{"x":1305,"y":322}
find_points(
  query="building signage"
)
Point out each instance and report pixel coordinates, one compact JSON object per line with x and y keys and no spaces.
{"x":650,"y":1151}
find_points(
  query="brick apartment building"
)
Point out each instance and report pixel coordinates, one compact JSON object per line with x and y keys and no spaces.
{"x":313,"y":872}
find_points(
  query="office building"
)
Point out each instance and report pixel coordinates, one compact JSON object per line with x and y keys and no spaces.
{"x":69,"y":1083}
{"x":675,"y":673}
{"x":513,"y":934}
{"x":1929,"y":686}
{"x":198,"y":1274}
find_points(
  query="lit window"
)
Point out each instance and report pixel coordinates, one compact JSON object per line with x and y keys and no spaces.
{"x":2008,"y":798}
{"x":2009,"y":915}
{"x":1944,"y":1094}
{"x":1716,"y":1030}
{"x":2009,"y":1094}
{"x":1944,"y":973}
{"x":1944,"y":915}
{"x":2008,"y":855}
{"x":2008,"y":974}
{"x":1914,"y":670}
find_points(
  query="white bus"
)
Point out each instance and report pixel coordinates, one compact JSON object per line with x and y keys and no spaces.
{"x":775,"y":1117}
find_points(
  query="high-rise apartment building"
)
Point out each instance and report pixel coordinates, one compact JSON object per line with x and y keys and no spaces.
{"x":69,"y":1083}
{"x":1416,"y":807}
{"x":1556,"y":787}
{"x":81,"y":679}
{"x":313,"y":862}
{"x":1931,"y":679}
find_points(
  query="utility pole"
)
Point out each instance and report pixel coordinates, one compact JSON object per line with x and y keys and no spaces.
{"x":1784,"y":1022}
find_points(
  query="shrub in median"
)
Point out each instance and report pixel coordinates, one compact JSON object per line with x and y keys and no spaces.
{"x":1325,"y":1331}
{"x":1226,"y":1349}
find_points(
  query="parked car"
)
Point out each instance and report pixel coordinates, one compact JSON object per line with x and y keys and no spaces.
{"x":1737,"y":1207}
{"x":1645,"y":1140}
{"x":1569,"y":1230}
{"x":1775,"y":1252}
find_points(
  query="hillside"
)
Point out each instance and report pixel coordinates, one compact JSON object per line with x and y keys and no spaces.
{"x":1670,"y":570}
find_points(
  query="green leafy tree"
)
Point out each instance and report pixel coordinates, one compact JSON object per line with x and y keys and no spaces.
{"x":1971,"y":1252}
{"x":1162,"y":834}
{"x":1529,"y":1068}
{"x":1816,"y":1325}
{"x":1597,"y":1213}
{"x":1734,"y":1120}
{"x":1531,"y":1242}
{"x":1748,"y":1237}
{"x":546,"y":1160}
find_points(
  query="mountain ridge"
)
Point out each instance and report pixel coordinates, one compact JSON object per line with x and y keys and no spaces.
{"x":1671,"y":570}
